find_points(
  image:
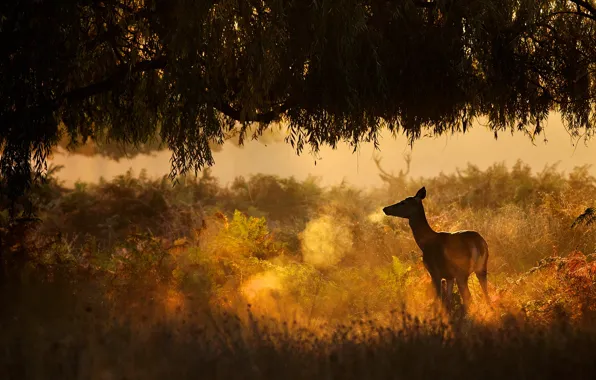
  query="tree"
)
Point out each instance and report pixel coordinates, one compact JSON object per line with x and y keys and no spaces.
{"x":188,"y":73}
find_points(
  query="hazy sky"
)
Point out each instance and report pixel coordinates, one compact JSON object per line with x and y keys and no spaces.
{"x":430,"y":156}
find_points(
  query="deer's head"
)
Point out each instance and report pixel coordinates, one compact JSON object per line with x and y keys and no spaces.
{"x":409,"y":207}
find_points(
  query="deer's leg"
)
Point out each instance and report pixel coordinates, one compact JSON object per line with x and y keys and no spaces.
{"x":437,"y":285}
{"x":464,"y":291}
{"x":449,"y":293}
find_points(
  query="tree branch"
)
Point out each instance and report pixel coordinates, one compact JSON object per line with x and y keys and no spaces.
{"x":265,"y":118}
{"x":82,"y":93}
{"x":105,"y":85}
{"x":582,"y":14}
{"x":425,"y":4}
{"x":586,"y":5}
{"x":160,"y":63}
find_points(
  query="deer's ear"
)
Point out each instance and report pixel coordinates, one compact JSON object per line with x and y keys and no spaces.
{"x":421,"y":194}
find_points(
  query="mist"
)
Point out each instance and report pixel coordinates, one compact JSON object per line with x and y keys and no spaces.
{"x":430,"y":156}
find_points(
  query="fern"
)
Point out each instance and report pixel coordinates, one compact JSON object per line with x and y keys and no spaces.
{"x":586,"y":218}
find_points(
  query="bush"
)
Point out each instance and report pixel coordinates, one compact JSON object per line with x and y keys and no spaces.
{"x":144,"y":253}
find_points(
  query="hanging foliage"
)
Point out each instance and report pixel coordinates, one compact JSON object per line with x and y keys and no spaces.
{"x":188,"y":74}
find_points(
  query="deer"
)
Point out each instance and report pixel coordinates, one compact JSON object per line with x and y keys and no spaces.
{"x":449,"y":256}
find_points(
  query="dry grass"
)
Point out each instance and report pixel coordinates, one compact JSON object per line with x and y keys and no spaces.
{"x":158,"y":288}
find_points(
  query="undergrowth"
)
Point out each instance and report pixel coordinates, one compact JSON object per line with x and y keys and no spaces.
{"x":135,"y":278}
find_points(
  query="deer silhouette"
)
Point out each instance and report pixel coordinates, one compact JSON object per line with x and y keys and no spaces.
{"x":451,"y":256}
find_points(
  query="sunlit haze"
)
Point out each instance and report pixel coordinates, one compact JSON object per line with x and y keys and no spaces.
{"x":430,"y":156}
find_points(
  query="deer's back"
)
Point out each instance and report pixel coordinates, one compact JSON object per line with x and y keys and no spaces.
{"x":464,"y":238}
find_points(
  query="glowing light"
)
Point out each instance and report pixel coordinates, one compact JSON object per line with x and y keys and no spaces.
{"x":262,"y":286}
{"x":325,"y":241}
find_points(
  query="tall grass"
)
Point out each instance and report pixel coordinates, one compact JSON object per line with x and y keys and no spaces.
{"x":134,"y":278}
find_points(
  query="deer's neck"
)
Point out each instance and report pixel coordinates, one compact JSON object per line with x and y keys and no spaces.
{"x":423,"y":233}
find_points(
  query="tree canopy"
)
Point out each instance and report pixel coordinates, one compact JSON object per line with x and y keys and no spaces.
{"x":188,"y":73}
